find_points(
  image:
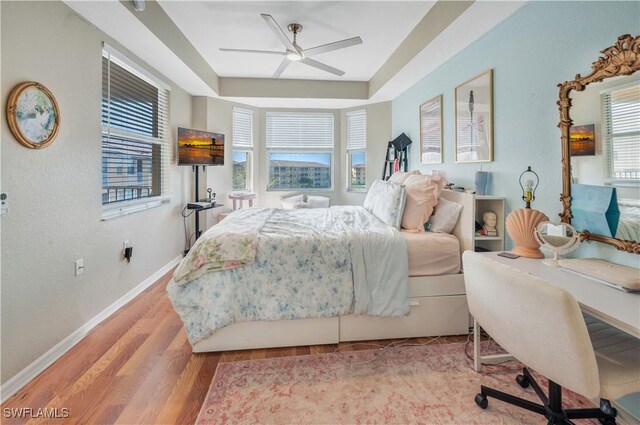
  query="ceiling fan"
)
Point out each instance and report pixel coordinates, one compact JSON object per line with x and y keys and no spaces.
{"x":296,"y":53}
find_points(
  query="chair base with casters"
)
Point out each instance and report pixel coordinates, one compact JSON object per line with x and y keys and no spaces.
{"x":551,"y":406}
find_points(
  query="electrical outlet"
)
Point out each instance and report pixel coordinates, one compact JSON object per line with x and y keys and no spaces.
{"x":79,"y":267}
{"x":4,"y":203}
{"x":125,"y":245}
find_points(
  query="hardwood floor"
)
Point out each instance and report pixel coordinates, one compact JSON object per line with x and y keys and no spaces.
{"x":137,"y":367}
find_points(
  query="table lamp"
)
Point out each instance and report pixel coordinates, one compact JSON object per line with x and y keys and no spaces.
{"x":521,"y":224}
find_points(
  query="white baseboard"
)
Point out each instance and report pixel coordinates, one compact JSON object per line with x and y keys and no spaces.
{"x":27,"y":374}
{"x":625,"y":417}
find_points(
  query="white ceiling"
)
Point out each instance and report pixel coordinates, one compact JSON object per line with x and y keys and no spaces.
{"x":382,"y":25}
{"x":209,"y":25}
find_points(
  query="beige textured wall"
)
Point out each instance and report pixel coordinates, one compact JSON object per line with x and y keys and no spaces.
{"x":378,"y":135}
{"x":55,"y":193}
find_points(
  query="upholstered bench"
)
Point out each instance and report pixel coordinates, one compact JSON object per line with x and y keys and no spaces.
{"x":305,"y":201}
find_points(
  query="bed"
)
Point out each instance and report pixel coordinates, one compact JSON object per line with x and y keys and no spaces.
{"x":629,"y":223}
{"x":434,"y":293}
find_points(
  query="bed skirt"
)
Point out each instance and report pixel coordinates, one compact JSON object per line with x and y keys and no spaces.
{"x":438,"y":307}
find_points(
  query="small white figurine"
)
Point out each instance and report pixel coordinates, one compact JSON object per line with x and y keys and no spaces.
{"x":490,"y":220}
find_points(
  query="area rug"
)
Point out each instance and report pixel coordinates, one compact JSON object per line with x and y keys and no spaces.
{"x":428,"y":384}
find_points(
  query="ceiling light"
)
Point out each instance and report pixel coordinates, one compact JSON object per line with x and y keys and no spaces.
{"x":138,"y":5}
{"x":294,"y":56}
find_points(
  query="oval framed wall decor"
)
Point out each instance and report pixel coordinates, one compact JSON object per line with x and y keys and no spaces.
{"x":33,"y":115}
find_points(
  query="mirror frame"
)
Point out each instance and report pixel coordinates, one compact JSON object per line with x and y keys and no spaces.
{"x":623,"y":58}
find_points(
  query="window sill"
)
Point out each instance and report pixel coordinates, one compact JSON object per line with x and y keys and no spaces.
{"x":301,"y":190}
{"x":622,"y":183}
{"x":131,"y":207}
{"x":363,"y":190}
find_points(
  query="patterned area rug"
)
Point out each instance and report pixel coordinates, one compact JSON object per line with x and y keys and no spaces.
{"x":429,"y":384}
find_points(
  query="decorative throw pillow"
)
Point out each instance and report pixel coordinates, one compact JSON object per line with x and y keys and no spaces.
{"x":400,"y":177}
{"x":301,"y":204}
{"x":422,"y":197}
{"x":445,"y":217}
{"x":386,"y":201}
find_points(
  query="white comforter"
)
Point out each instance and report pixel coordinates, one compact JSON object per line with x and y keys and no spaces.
{"x":309,"y":263}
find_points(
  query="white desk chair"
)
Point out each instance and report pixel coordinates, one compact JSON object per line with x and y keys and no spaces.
{"x":542,"y":326}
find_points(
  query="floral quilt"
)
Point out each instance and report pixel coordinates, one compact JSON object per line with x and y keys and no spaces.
{"x":317,"y":262}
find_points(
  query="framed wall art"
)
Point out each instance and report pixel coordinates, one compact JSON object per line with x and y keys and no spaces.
{"x":33,"y":115}
{"x":474,"y":119}
{"x":431,"y":131}
{"x":582,"y":140}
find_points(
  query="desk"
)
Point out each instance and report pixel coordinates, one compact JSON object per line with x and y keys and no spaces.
{"x":617,"y":308}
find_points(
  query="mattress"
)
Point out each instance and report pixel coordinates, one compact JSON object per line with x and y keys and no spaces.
{"x":432,"y":254}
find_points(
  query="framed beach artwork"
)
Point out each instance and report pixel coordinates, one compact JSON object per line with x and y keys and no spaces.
{"x":582,"y":140}
{"x":474,"y":119}
{"x":431,"y":131}
{"x":33,"y":115}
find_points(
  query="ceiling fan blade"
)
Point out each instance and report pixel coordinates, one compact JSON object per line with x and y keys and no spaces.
{"x":333,"y":46}
{"x":285,"y":63}
{"x":322,"y":66}
{"x":264,"y":52}
{"x":278,"y":32}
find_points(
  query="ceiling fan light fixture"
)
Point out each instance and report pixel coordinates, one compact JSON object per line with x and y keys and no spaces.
{"x":294,"y":56}
{"x":138,"y":5}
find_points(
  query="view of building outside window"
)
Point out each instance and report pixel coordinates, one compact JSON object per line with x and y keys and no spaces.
{"x":358,"y":170}
{"x":239,"y":159}
{"x":299,"y":171}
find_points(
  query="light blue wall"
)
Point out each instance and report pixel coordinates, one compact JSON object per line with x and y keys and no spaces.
{"x":541,"y":45}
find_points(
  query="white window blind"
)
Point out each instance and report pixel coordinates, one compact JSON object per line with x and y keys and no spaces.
{"x":300,"y":131}
{"x":621,"y":132}
{"x":431,"y":132}
{"x":135,"y":132}
{"x":356,"y":130}
{"x":242,"y":129}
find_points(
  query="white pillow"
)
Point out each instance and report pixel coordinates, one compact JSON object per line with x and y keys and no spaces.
{"x":401,"y":176}
{"x":289,"y":203}
{"x":446,"y":216}
{"x":386,"y":201}
{"x":316,"y":201}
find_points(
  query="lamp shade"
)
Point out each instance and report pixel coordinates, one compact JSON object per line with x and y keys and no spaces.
{"x":595,"y":208}
{"x":521,"y":225}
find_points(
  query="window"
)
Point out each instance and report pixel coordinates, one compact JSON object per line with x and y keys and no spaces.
{"x":300,"y":150}
{"x":242,"y":147}
{"x":135,"y":133}
{"x":357,"y":150}
{"x":621,"y":133}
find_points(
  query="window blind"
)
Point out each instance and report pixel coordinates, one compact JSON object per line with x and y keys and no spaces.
{"x":621,"y":132}
{"x":430,"y":132}
{"x":357,"y":130}
{"x":298,"y":131}
{"x":135,"y":132}
{"x":242,"y":129}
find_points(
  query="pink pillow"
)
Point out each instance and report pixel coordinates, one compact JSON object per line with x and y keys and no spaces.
{"x":401,"y":176}
{"x":422,"y":197}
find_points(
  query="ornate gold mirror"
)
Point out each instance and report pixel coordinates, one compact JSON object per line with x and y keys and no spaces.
{"x":606,"y":130}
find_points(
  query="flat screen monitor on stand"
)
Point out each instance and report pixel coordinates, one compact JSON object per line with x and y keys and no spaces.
{"x":199,"y":148}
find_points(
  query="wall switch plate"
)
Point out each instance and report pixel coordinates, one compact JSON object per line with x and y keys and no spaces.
{"x":79,"y":267}
{"x":4,"y":203}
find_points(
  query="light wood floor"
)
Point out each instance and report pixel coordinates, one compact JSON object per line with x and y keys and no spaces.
{"x":137,"y":367}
